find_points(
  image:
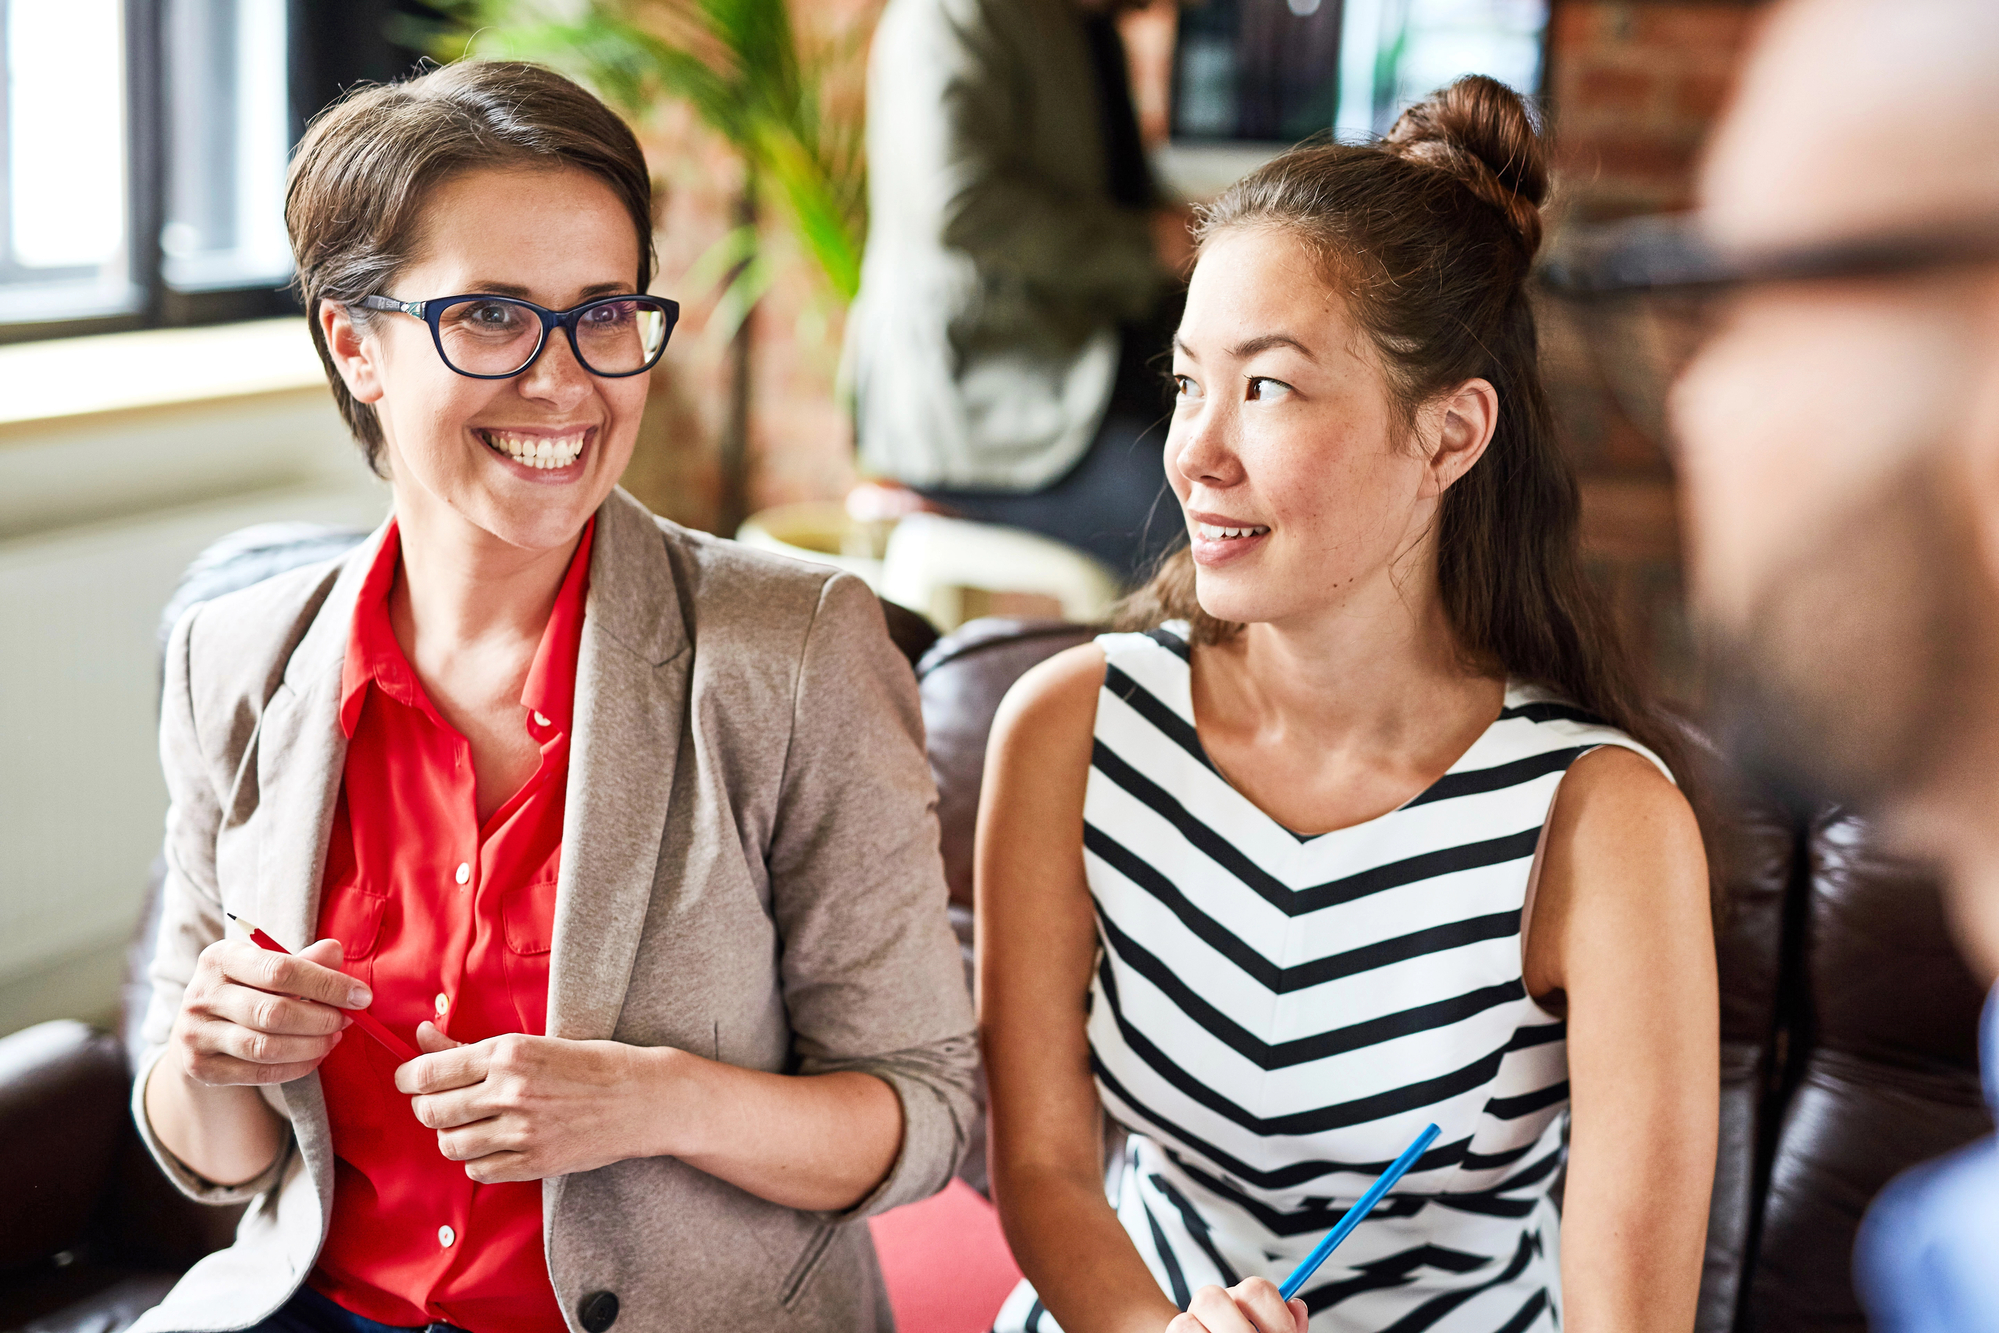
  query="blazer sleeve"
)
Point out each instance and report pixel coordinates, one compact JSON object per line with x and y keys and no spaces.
{"x":1017,"y":226}
{"x":870,"y":969}
{"x":190,"y":908}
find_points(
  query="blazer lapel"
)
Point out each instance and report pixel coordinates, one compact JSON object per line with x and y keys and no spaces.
{"x":631,"y":700}
{"x":301,"y":755}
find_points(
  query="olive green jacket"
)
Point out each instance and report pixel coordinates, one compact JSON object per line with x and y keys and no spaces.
{"x":984,"y":343}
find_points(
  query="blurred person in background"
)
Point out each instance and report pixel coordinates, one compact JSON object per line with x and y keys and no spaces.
{"x":1838,"y":431}
{"x":1018,"y":275}
{"x":1369,"y":824}
{"x":563,"y":794}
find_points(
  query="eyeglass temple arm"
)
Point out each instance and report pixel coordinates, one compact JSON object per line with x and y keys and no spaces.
{"x":387,"y":303}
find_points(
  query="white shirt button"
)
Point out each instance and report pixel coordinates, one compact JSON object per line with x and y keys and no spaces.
{"x":540,"y":721}
{"x":445,"y":1236}
{"x":443,"y":1003}
{"x":464,"y":874}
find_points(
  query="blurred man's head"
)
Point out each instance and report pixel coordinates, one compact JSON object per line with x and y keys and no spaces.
{"x":1840,"y":437}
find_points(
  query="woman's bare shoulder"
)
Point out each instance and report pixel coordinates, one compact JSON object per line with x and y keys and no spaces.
{"x":1054,"y":702}
{"x":1617,"y":793}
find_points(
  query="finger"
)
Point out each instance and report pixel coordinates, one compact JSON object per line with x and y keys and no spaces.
{"x":206,"y":1063}
{"x":1259,"y":1299}
{"x":448,"y":1110}
{"x":267,"y":1048}
{"x":1301,"y":1317}
{"x":494,"y":1168}
{"x":227,"y":1071}
{"x":481,"y":1138}
{"x":441,"y":1071}
{"x":289,"y":974}
{"x":327,"y":953}
{"x":266,"y":1011}
{"x":429,"y":1039}
{"x":1218,"y":1312}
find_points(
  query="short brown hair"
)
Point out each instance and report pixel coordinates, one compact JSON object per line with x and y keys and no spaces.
{"x":368,"y":163}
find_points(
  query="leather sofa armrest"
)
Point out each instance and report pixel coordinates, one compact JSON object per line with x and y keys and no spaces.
{"x":63,"y":1089}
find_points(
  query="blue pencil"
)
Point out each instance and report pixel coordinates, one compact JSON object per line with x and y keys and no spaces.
{"x":1303,"y":1272}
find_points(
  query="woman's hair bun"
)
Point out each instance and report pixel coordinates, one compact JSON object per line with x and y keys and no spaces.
{"x":1478,"y":130}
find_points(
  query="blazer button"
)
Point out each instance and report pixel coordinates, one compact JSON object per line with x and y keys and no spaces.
{"x":598,"y":1311}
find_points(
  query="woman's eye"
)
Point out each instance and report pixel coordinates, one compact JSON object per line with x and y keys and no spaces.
{"x":611,"y":314}
{"x":1184,"y":387}
{"x":487,"y":316}
{"x":1262,"y":388}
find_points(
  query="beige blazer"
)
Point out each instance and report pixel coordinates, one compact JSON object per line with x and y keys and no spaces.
{"x":749,"y":871}
{"x":984,"y":342}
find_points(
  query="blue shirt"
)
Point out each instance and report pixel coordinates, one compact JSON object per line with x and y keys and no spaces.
{"x":1927,"y":1259}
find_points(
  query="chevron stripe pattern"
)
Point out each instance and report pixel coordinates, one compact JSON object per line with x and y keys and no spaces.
{"x":1275,"y":1016}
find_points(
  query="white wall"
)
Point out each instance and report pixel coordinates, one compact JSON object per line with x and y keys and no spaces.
{"x":99,"y":514}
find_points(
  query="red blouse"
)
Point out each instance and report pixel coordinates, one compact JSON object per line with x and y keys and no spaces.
{"x":446,"y":920}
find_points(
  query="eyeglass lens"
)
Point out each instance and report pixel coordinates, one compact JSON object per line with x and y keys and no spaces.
{"x":490,"y":335}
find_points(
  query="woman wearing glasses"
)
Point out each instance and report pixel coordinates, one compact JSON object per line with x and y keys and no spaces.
{"x":1367,"y":829}
{"x":561,"y":794}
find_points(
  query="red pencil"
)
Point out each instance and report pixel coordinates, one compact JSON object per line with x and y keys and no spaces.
{"x":364,"y":1020}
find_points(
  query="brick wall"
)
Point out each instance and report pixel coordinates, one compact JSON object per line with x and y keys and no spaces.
{"x":1633,"y":89}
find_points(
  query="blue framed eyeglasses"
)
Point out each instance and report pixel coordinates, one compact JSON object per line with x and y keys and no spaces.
{"x":498,"y":337}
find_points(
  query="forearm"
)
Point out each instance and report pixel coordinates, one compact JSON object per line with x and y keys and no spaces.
{"x":819,"y":1142}
{"x":1634,"y":1218}
{"x":1071,"y":1246}
{"x":228,"y":1135}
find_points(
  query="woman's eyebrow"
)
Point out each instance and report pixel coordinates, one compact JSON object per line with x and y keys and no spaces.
{"x":1242,"y":351}
{"x":516,"y":290}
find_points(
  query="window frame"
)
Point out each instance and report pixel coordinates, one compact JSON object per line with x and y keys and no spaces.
{"x":330,"y":47}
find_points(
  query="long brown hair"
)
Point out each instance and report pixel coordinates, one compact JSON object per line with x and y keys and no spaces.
{"x":1429,"y":236}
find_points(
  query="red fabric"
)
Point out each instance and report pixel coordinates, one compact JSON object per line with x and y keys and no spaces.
{"x":407,"y":820}
{"x":945,"y":1262}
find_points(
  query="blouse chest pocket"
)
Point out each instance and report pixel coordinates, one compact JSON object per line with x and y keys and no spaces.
{"x":527,"y":913}
{"x":353,"y":916}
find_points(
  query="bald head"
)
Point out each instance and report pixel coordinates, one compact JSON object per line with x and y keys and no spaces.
{"x":1859,"y":118}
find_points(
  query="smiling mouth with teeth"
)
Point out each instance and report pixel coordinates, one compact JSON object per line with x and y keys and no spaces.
{"x":542,"y":452}
{"x":1209,"y":532}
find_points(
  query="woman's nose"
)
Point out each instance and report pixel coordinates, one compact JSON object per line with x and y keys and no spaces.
{"x":556,"y":376}
{"x":1201,"y":448}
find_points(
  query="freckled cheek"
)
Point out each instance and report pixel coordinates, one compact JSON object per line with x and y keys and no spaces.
{"x":1326,"y":499}
{"x":624,"y":403}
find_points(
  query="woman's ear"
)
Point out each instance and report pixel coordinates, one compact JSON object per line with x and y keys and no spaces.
{"x":1463,"y":422}
{"x":355,"y":355}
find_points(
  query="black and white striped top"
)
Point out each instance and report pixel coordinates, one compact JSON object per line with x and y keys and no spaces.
{"x":1275,"y":1017}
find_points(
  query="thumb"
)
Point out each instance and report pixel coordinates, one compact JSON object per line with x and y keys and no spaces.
{"x":430,"y":1041}
{"x":1299,"y":1314}
{"x":327,"y":953}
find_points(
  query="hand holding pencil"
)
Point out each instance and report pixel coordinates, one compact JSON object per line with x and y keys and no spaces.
{"x":253,"y":1016}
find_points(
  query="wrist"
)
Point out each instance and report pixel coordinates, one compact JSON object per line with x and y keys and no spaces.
{"x":673,"y":1107}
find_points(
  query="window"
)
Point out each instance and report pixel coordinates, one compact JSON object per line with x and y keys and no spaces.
{"x":65,"y":228}
{"x":229,"y":132}
{"x":143,"y":146}
{"x":1279,"y":71}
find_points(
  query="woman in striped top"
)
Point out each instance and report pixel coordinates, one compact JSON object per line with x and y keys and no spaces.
{"x":1370,"y":827}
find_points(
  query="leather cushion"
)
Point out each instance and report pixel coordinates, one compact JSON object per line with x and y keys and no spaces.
{"x":62,"y":1108}
{"x":962,"y":680}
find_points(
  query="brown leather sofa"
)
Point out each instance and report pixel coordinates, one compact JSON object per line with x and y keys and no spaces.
{"x":1848,"y":1054}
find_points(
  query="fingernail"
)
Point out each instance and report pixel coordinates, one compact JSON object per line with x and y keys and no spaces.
{"x":359,"y":997}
